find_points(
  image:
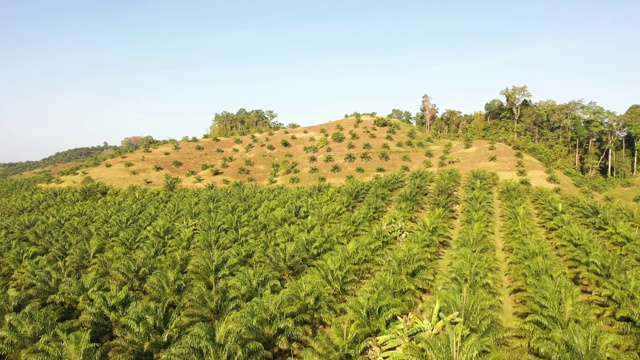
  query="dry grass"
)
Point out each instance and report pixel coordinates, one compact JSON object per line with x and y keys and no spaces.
{"x":465,"y":159}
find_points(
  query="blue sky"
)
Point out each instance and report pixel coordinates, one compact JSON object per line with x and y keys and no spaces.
{"x":78,"y":73}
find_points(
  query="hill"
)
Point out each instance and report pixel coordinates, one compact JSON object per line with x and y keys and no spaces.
{"x":54,"y":162}
{"x":333,"y":152}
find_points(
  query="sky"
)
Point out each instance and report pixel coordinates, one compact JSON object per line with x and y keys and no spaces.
{"x":80,"y":73}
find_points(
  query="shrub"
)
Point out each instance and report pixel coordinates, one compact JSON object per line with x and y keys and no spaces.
{"x":365,"y":156}
{"x":522,"y":172}
{"x":166,"y":153}
{"x":519,"y":154}
{"x":391,"y":131}
{"x":337,"y":137}
{"x":226,"y":181}
{"x":107,"y":165}
{"x":468,"y":142}
{"x":157,"y":167}
{"x":199,"y":147}
{"x":335,"y":168}
{"x":427,"y":163}
{"x":372,"y":136}
{"x":381,"y":121}
{"x":310,"y":149}
{"x":353,"y":135}
{"x":322,"y":179}
{"x":237,"y":141}
{"x":270,"y":147}
{"x":87,"y":180}
{"x":328,"y":159}
{"x":400,"y":144}
{"x":190,"y":173}
{"x":285,"y":143}
{"x":313,"y":170}
{"x":128,"y":164}
{"x":176,"y":146}
{"x":389,"y":137}
{"x":235,"y":150}
{"x":170,"y":183}
{"x":288,"y":154}
{"x":312,"y":159}
{"x":420,"y":144}
{"x":447,"y":148}
{"x":525,"y":181}
{"x":384,"y":156}
{"x":366,"y":146}
{"x":328,"y":149}
{"x":553,"y":179}
{"x":248,"y":162}
{"x":359,"y":169}
{"x":412,"y":134}
{"x":294,"y":180}
{"x":386,"y":146}
{"x":428,"y":153}
{"x":405,"y":168}
{"x":176,"y":163}
{"x":216,"y":172}
{"x":493,"y":157}
{"x":351,"y":146}
{"x":492,"y":145}
{"x":243,"y":171}
{"x":406,"y":158}
{"x":350,"y":157}
{"x":442,"y":161}
{"x":380,"y":169}
{"x":409,"y":143}
{"x":293,"y":137}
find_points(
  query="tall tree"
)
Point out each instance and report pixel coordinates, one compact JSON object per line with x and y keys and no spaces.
{"x":428,"y":111}
{"x":515,"y":97}
{"x":632,"y":120}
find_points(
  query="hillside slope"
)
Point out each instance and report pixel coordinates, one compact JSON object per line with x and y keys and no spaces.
{"x":306,"y":155}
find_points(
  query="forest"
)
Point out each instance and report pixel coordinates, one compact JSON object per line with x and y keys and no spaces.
{"x":417,"y":265}
{"x":595,"y":146}
{"x":62,"y":157}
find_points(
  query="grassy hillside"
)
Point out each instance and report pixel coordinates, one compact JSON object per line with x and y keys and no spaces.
{"x":306,"y":158}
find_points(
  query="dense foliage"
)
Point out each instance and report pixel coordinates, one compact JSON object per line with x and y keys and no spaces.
{"x":404,"y":266}
{"x":581,"y":138}
{"x":243,"y":122}
{"x":78,"y":154}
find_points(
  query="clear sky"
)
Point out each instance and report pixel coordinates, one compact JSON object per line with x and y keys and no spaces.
{"x":78,"y":73}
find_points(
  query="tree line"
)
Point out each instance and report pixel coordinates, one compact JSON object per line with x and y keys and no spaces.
{"x":580,"y":137}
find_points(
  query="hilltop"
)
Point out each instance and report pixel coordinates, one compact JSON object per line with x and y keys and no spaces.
{"x":329,"y":152}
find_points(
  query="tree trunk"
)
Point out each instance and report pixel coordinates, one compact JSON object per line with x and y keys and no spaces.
{"x":577,"y":144}
{"x":635,"y":158}
{"x":609,"y":163}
